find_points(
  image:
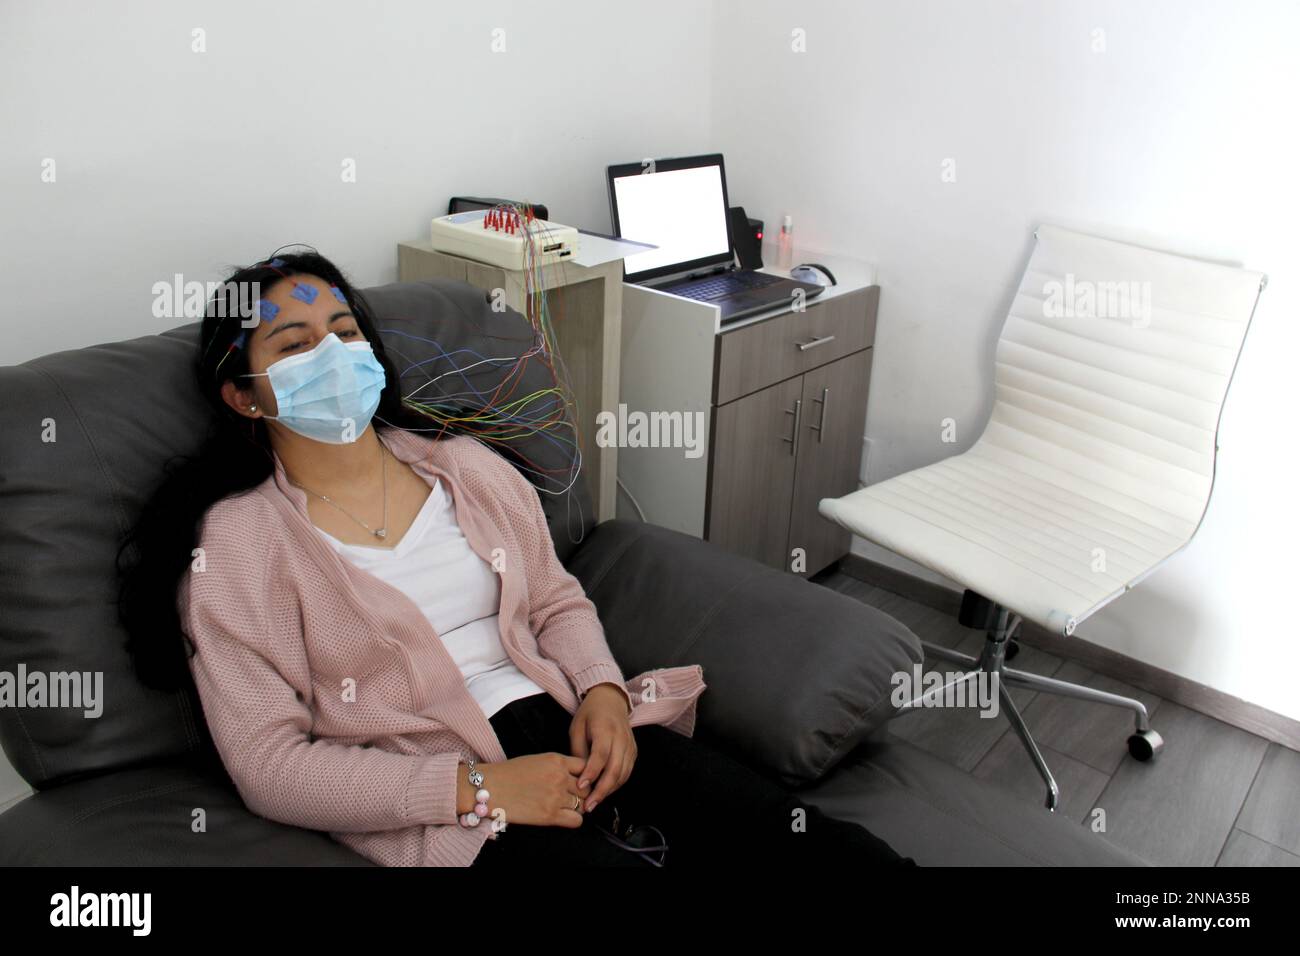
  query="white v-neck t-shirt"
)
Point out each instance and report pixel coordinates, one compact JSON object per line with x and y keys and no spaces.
{"x":458,"y":592}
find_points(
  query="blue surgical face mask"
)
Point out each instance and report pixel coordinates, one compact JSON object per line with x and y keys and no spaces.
{"x":321,"y":392}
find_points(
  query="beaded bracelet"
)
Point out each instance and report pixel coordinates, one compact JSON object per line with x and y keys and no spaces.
{"x":480,"y":811}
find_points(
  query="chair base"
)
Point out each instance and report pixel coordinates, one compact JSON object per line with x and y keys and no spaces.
{"x":1143,"y":744}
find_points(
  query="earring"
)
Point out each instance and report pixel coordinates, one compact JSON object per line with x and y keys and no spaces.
{"x":252,"y":408}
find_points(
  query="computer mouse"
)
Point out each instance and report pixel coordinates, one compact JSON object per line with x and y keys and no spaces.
{"x":807,"y":272}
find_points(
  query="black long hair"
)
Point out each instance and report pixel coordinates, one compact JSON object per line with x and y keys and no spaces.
{"x":235,"y":456}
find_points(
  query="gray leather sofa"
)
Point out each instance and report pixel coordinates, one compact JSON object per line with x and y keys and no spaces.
{"x":797,"y":674}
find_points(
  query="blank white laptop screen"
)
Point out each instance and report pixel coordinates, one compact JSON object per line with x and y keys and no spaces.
{"x":681,"y":211}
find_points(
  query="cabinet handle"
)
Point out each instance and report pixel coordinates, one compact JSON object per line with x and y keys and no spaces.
{"x":805,"y":346}
{"x":794,"y":439}
{"x":820,"y":427}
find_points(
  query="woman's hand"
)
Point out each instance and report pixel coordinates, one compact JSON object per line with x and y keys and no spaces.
{"x":535,"y":789}
{"x":602,"y":733}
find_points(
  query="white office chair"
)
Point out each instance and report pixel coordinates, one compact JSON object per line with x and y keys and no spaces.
{"x":1097,"y":461}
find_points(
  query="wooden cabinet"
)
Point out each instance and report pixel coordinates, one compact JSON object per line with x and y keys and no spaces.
{"x":787,"y":431}
{"x":782,"y":398}
{"x":753,"y":473}
{"x":830,"y":453}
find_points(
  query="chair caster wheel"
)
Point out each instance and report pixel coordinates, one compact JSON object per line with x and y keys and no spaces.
{"x":1013,"y":648}
{"x":1145,"y":744}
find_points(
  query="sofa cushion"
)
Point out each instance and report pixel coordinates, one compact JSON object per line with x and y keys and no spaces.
{"x":144,"y":816}
{"x":798,"y":675}
{"x":940,"y":815}
{"x":115,"y":412}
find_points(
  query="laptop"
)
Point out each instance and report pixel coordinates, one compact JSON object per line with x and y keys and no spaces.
{"x":680,"y":205}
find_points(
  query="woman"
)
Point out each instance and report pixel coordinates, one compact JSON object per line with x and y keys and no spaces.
{"x":384,"y":642}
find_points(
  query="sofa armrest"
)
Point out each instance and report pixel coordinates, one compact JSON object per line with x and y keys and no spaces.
{"x":798,"y":675}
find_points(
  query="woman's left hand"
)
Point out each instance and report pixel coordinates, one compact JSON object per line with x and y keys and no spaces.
{"x":601,"y":732}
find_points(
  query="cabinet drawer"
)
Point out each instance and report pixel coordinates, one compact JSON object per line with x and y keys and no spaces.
{"x":756,"y":356}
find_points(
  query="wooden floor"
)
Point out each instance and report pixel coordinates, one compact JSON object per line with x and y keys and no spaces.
{"x":1216,"y":795}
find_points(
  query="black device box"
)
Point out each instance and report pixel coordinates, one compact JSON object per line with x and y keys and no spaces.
{"x":746,"y":238}
{"x":465,"y":203}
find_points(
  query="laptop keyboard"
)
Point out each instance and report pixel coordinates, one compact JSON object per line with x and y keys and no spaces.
{"x":724,"y":285}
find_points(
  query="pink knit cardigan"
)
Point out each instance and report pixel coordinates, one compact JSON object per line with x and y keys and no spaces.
{"x":331,"y":699}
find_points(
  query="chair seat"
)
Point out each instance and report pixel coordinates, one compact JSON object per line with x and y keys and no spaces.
{"x":1097,"y":461}
{"x":1023,"y":533}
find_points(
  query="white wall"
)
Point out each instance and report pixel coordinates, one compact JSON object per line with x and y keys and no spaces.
{"x":1180,"y":135}
{"x":173,"y":161}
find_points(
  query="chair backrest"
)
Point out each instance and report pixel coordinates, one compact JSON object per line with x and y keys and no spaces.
{"x":118,"y":412}
{"x":1112,"y":369}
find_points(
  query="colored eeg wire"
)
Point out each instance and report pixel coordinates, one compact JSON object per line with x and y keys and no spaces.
{"x":499,"y":416}
{"x":496,"y":416}
{"x":537,"y":306}
{"x":541,"y":309}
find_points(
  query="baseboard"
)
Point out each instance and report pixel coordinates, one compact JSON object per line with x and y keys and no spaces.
{"x":13,"y":801}
{"x":1206,"y":700}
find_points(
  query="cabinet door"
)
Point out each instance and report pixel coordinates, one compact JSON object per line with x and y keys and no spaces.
{"x":754,"y":457}
{"x":830,"y":455}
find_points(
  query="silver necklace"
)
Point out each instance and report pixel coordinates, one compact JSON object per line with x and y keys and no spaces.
{"x":377,"y":532}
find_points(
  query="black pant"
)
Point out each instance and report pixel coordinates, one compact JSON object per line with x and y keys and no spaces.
{"x":711,"y":809}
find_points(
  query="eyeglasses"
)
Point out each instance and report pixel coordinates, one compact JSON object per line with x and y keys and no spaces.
{"x":647,"y":840}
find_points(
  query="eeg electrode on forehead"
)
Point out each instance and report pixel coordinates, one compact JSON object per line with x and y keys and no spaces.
{"x":268,"y":311}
